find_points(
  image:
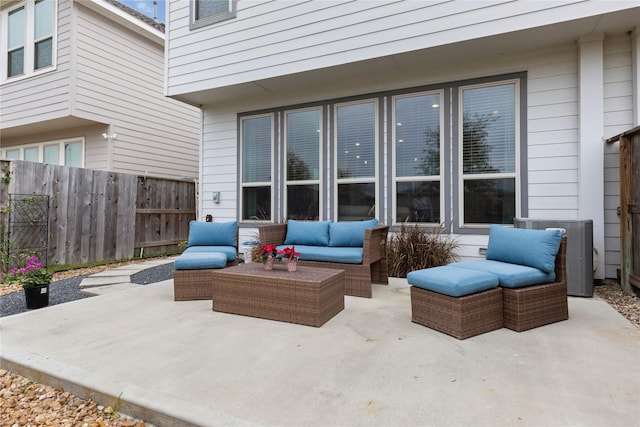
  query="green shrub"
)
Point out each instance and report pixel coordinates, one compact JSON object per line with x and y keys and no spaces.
{"x":415,"y":248}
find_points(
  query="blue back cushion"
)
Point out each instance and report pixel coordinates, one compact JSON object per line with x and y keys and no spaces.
{"x":312,"y":233}
{"x":213,"y":233}
{"x":535,"y":248}
{"x":349,"y":233}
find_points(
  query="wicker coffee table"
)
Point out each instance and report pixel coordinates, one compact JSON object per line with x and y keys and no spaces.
{"x":309,"y":296}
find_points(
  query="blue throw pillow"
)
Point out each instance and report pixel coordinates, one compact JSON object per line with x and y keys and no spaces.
{"x":535,"y":248}
{"x":312,"y":233}
{"x":213,"y":233}
{"x":349,"y":233}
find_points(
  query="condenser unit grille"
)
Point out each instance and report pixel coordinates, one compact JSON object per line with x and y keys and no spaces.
{"x":579,"y":251}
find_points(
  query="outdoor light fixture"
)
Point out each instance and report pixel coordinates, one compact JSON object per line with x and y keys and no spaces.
{"x":109,"y":136}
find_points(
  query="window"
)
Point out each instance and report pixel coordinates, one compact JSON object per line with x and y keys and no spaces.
{"x":206,"y":12}
{"x":356,"y":142}
{"x":488,"y":154}
{"x":66,"y":153}
{"x":442,"y":154}
{"x":28,"y":38}
{"x":417,"y":143}
{"x":303,"y":166}
{"x":256,"y":170}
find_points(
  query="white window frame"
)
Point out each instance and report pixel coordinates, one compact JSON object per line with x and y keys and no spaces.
{"x":376,"y":176}
{"x":244,"y":185}
{"x":319,"y":181}
{"x":194,"y":22}
{"x":61,"y":143}
{"x":30,"y":42}
{"x":394,"y":177}
{"x":516,"y":174}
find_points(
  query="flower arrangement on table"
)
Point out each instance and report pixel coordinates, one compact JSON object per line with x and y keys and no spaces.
{"x":269,"y":253}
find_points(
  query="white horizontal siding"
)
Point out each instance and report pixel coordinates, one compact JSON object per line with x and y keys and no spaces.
{"x":219,"y":165}
{"x":269,"y":39}
{"x":44,"y":96}
{"x":120,"y":81}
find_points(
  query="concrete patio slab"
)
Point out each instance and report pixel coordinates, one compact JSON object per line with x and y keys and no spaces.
{"x":180,"y":363}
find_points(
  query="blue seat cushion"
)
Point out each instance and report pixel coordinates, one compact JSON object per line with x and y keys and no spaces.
{"x":200,"y":261}
{"x":323,"y":253}
{"x":229,"y":251}
{"x":313,"y":233}
{"x":213,"y":233}
{"x":535,"y":248}
{"x":510,"y":275}
{"x":349,"y":233}
{"x":452,"y":281}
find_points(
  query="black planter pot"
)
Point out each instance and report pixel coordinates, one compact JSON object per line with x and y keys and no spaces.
{"x":37,"y":297}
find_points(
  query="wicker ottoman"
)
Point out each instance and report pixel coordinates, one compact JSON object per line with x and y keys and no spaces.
{"x":456,"y":302}
{"x":192,"y":274}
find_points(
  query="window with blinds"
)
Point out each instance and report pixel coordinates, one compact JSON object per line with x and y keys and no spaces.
{"x":206,"y":12}
{"x":256,"y":167}
{"x":417,"y":146}
{"x":489,"y":153}
{"x":356,"y":143}
{"x":303,"y":146}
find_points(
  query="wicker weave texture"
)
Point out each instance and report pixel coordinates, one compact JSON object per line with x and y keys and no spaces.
{"x":460,"y":317}
{"x":308,"y":296}
{"x":358,"y":277}
{"x":191,"y":285}
{"x":533,"y":306}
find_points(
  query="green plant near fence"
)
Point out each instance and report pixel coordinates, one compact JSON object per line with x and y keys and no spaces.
{"x":414,"y":248}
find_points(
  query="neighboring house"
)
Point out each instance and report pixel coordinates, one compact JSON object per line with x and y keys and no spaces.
{"x":457,"y":112}
{"x":82,"y":84}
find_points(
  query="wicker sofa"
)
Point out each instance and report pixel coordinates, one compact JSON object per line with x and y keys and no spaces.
{"x":521,"y":285}
{"x":357,"y":247}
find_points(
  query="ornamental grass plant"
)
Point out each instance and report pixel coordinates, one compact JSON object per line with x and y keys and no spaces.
{"x":415,"y":248}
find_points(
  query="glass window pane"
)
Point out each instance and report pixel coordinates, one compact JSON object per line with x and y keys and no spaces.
{"x":489,"y":201}
{"x":417,"y":135}
{"x":302,"y":202}
{"x":31,"y":154}
{"x":73,"y":154}
{"x":43,"y":54}
{"x":356,"y":201}
{"x":303,"y":145}
{"x":256,"y":203}
{"x":16,"y":28}
{"x":356,"y":130}
{"x":44,"y":19}
{"x":12,"y":154}
{"x":256,"y":149}
{"x":418,"y":202}
{"x":51,"y":154}
{"x":207,"y":8}
{"x":16,"y":63}
{"x":489,"y":129}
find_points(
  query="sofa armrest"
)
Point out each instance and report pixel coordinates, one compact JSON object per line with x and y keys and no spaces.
{"x":272,"y":234}
{"x":375,"y":244}
{"x":561,"y":261}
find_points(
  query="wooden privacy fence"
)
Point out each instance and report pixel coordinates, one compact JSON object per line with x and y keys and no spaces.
{"x":103,"y":216}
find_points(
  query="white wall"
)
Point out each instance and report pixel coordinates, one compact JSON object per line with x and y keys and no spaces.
{"x":119,"y":80}
{"x":269,"y":39}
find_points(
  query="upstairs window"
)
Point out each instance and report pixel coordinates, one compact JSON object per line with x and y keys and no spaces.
{"x":205,"y":12}
{"x":28,"y":38}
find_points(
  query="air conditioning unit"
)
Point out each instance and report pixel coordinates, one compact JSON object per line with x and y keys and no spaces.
{"x":579,"y":251}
